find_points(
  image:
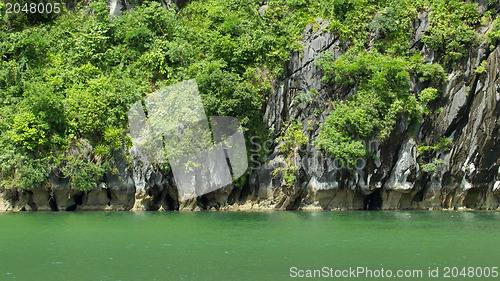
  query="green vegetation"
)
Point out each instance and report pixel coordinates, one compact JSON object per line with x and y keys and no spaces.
{"x":493,"y":34}
{"x":442,"y":145}
{"x":452,"y":28}
{"x":433,"y":73}
{"x":290,"y":141}
{"x":68,"y":79}
{"x":379,"y":64}
{"x":383,"y":95}
{"x":482,"y":67}
{"x":431,"y":167}
{"x":428,"y":152}
{"x":302,"y":99}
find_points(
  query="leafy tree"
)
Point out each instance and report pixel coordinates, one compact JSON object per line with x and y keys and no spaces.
{"x":383,"y":96}
{"x":452,"y":28}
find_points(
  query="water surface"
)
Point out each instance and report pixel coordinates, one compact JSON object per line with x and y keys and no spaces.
{"x":240,"y":246}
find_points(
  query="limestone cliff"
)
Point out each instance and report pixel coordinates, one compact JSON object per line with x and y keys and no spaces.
{"x":467,"y":176}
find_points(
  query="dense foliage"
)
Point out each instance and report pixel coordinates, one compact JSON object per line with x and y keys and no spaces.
{"x":383,"y":93}
{"x":380,"y":62}
{"x":290,"y":141}
{"x":67,"y":80}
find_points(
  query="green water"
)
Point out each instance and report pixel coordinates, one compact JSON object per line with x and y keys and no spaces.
{"x":241,"y":246}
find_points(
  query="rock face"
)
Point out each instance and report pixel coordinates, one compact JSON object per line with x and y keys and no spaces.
{"x":468,"y":175}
